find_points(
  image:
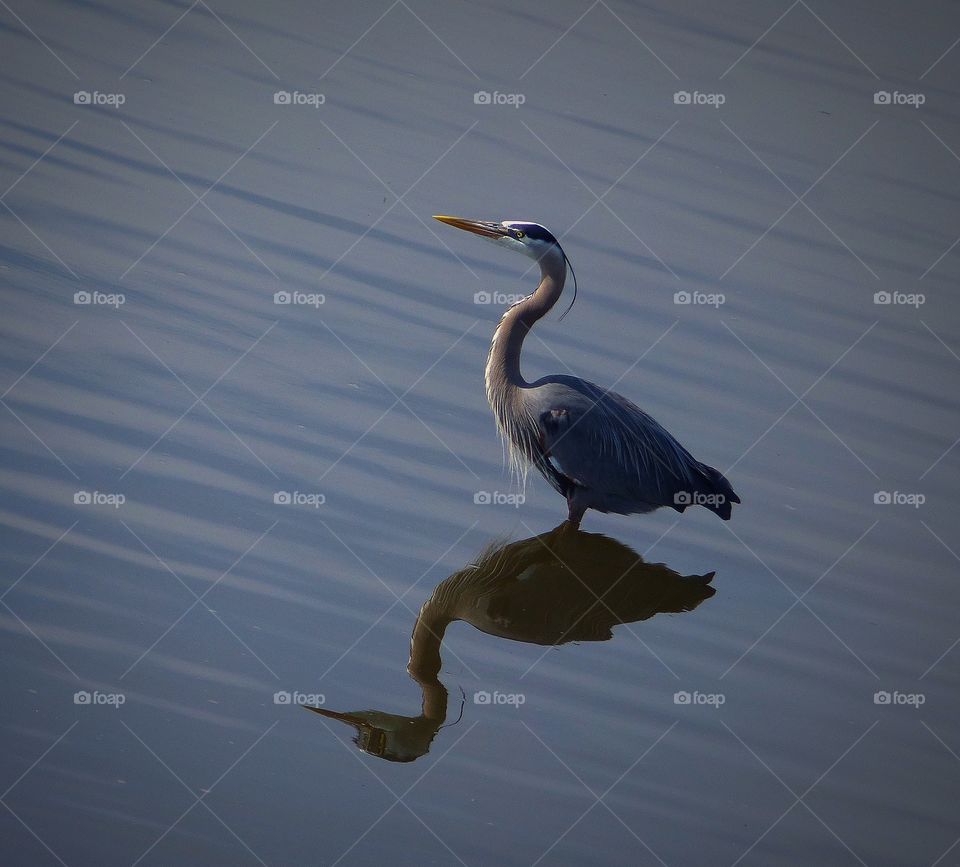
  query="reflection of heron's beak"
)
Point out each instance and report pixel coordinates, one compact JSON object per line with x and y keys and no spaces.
{"x":478,"y":227}
{"x":350,"y":718}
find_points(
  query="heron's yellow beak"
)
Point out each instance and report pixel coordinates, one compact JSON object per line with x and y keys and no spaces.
{"x":478,"y":227}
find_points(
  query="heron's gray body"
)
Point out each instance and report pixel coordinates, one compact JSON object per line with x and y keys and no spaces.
{"x":592,"y":445}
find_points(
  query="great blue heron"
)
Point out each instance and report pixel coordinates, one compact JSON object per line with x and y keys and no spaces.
{"x":610,"y":455}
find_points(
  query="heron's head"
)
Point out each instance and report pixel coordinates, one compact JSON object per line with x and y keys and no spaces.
{"x":531,"y":239}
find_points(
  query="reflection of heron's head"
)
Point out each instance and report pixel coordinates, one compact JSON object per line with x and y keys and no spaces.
{"x":388,"y":736}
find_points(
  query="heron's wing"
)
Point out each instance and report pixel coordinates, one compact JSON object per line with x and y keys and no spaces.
{"x":603,"y":441}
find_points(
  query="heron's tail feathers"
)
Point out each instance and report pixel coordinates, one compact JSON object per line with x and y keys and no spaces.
{"x":712,"y":491}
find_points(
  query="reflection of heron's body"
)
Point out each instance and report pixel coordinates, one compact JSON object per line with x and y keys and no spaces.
{"x":592,"y":445}
{"x":551,"y":589}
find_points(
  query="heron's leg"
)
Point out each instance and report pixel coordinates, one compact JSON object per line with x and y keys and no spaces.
{"x":574,"y":510}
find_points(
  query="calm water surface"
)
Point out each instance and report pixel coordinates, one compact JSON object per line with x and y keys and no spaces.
{"x":245,"y":439}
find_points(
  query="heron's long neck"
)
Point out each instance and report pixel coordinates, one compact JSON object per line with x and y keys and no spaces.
{"x":503,"y":363}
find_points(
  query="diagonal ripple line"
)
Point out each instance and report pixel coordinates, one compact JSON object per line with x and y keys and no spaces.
{"x":398,"y":799}
{"x":359,"y":39}
{"x":49,"y":649}
{"x":399,"y":200}
{"x":398,"y":599}
{"x":559,"y":39}
{"x":34,"y":164}
{"x":799,"y":599}
{"x":810,"y":388}
{"x":198,"y":799}
{"x":39,"y":359}
{"x":801,"y":199}
{"x":191,"y":591}
{"x":800,"y":399}
{"x":198,"y":199}
{"x":201,"y":398}
{"x":33,"y":833}
{"x":431,"y":31}
{"x":43,"y":243}
{"x":631,"y":31}
{"x":599,"y":799}
{"x":940,"y":658}
{"x":390,"y":190}
{"x":953,"y":445}
{"x":36,"y":562}
{"x":159,"y":39}
{"x":757,"y":41}
{"x":399,"y":399}
{"x":30,"y":30}
{"x":39,"y":439}
{"x":600,"y":200}
{"x":233,"y":33}
{"x":37,"y":761}
{"x":799,"y":799}
{"x":199,"y":600}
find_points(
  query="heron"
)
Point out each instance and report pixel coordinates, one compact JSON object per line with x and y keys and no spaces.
{"x":593,"y":446}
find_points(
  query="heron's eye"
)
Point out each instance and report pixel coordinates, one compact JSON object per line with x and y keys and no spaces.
{"x":519,"y":235}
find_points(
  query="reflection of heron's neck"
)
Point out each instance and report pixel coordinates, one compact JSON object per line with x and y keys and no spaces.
{"x":427,"y":637}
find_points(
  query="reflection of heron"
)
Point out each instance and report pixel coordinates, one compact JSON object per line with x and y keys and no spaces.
{"x":610,"y":455}
{"x":553,"y":588}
